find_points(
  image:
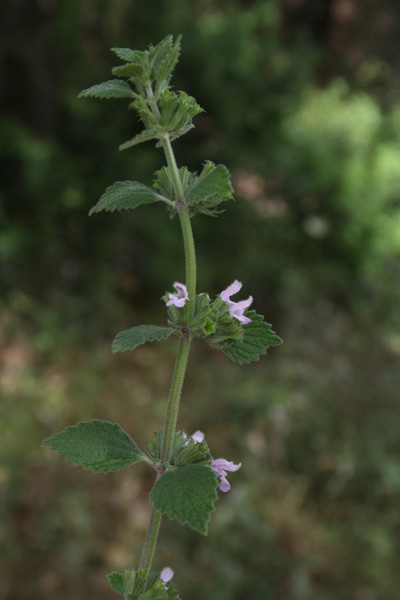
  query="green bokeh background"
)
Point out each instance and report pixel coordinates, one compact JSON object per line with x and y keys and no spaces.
{"x":302,"y":104}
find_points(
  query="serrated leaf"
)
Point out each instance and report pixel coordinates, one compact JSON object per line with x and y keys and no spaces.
{"x":187,"y":494}
{"x":213,"y":182}
{"x":109,"y":89}
{"x":169,"y":61}
{"x":123,"y":195}
{"x":129,"y":70}
{"x":116,"y":581}
{"x":129,"y":339}
{"x":97,"y":445}
{"x":258,"y":336}
{"x":145,"y":136}
{"x":126,"y":54}
{"x":156,"y":592}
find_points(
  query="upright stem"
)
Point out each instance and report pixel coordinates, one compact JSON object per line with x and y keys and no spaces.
{"x":183,"y":349}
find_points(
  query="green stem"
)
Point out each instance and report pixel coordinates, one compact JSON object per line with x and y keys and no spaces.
{"x":178,"y":376}
{"x":151,"y":540}
{"x":186,"y":226}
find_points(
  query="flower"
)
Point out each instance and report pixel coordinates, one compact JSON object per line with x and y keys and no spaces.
{"x":197,"y":437}
{"x":220,"y":466}
{"x":166,"y":575}
{"x":180,"y":297}
{"x":236,"y":309}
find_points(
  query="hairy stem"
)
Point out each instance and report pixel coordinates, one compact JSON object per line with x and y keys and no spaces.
{"x":178,"y":376}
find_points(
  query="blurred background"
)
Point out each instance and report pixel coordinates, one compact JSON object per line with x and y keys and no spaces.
{"x":302,"y":104}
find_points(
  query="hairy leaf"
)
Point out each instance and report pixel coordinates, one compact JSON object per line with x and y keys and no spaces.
{"x":126,"y":54}
{"x":129,"y":70}
{"x":187,"y":494}
{"x":213,"y":181}
{"x":116,"y":581}
{"x":123,"y":195}
{"x":169,"y":61}
{"x":97,"y":445}
{"x":146,"y":135}
{"x":258,"y":336}
{"x":129,"y":339}
{"x":109,"y":89}
{"x":156,"y":592}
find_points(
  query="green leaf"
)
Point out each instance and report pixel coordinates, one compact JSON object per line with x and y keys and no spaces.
{"x":156,"y":592}
{"x":129,"y":70}
{"x":109,"y":89}
{"x":116,"y":581}
{"x":169,"y":61}
{"x":187,"y":494}
{"x":126,"y":54}
{"x":258,"y":336}
{"x":213,"y":181}
{"x":131,"y":338}
{"x":146,"y":135}
{"x":123,"y":195}
{"x":97,"y":445}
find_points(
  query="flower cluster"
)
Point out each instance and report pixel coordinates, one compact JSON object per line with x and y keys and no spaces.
{"x":236,"y":309}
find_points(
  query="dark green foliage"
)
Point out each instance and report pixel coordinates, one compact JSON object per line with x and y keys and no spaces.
{"x":131,"y":338}
{"x":123,"y":195}
{"x":258,"y":337}
{"x":187,"y":494}
{"x":97,"y":445}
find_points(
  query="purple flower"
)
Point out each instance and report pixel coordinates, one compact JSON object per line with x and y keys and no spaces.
{"x":180,"y":297}
{"x":220,"y":466}
{"x":166,"y":575}
{"x":236,"y":309}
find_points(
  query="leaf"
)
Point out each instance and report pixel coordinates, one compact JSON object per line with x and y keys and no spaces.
{"x":116,"y":581}
{"x":131,"y":69}
{"x":97,"y":445}
{"x":146,"y":135}
{"x":156,"y":592}
{"x":129,"y":339}
{"x":109,"y":89}
{"x":169,"y":61}
{"x":258,"y":336}
{"x":123,"y":195}
{"x":125,"y":54}
{"x":187,"y":494}
{"x":212,"y":181}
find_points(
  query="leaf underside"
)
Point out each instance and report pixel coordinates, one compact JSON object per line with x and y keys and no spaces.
{"x":97,"y":445}
{"x":123,"y":195}
{"x":129,"y":339}
{"x":258,"y":336}
{"x":187,"y":494}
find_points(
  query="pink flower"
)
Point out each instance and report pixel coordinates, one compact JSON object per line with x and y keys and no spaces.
{"x":220,"y":466}
{"x":197,"y":437}
{"x":236,"y":309}
{"x":180,"y":297}
{"x":166,"y":575}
